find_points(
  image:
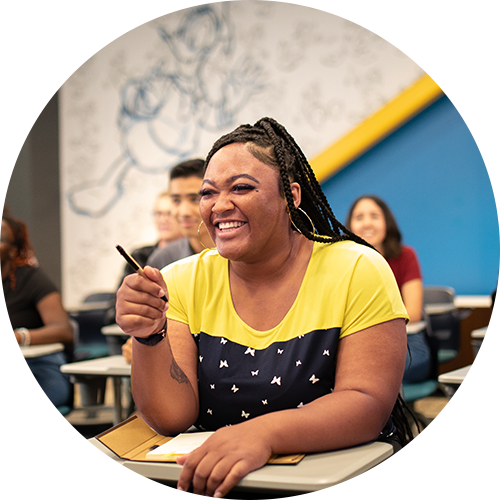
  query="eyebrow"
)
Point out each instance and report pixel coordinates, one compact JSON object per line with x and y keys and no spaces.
{"x":234,"y":178}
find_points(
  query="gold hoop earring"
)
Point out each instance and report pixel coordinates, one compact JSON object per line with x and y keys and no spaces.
{"x":305,"y":213}
{"x":199,"y":236}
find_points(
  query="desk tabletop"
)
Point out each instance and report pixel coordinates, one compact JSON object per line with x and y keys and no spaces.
{"x":315,"y":472}
{"x":110,"y":366}
{"x":459,"y":302}
{"x":35,"y":351}
{"x":415,"y":327}
{"x":439,"y":308}
{"x":472,"y":301}
{"x":89,"y":306}
{"x":477,"y":375}
{"x":487,"y":332}
{"x":112,"y":330}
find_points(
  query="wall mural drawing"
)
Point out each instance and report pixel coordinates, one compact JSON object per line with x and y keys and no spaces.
{"x":165,"y":91}
{"x":163,"y":113}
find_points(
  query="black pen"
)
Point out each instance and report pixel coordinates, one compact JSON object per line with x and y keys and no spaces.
{"x":135,"y":265}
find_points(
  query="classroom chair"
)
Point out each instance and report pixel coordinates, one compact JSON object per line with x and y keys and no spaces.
{"x":91,"y":318}
{"x":437,"y":472}
{"x":445,"y":326}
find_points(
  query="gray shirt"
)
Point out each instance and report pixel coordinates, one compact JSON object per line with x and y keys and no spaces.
{"x":174,"y":251}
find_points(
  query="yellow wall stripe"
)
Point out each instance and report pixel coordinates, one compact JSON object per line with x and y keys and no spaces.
{"x":376,"y":127}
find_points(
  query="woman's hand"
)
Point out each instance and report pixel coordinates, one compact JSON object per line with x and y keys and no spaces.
{"x":140,"y":310}
{"x":223,"y":460}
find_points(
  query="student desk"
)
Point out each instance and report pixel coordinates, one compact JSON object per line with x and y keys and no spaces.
{"x":474,"y":312}
{"x":475,"y":380}
{"x":115,"y":338}
{"x":35,"y":351}
{"x":315,"y":472}
{"x":472,"y":301}
{"x":111,"y":366}
{"x":487,"y":332}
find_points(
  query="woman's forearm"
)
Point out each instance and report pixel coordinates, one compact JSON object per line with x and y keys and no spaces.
{"x":162,"y":391}
{"x":335,"y":421}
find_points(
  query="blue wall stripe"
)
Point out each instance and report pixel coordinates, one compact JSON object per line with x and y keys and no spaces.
{"x":433,"y":177}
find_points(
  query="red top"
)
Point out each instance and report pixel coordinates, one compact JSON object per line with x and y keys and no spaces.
{"x":405,"y":267}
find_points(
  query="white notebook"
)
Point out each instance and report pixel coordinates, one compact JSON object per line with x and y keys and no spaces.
{"x":181,"y":444}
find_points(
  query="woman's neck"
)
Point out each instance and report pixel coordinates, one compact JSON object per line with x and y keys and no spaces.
{"x":276,"y":266}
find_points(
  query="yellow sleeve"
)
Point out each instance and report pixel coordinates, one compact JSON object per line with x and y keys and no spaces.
{"x":373,"y":295}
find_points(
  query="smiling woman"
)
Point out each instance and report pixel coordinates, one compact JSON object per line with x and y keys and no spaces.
{"x":288,"y":337}
{"x":370,"y":217}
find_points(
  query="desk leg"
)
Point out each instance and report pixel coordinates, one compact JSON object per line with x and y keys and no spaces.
{"x":117,"y":386}
{"x":485,"y":432}
{"x":85,"y":488}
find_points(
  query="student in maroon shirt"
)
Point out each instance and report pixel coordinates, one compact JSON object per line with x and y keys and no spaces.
{"x":371,"y":218}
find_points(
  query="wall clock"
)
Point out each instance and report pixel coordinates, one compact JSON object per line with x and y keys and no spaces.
{"x":4,"y":104}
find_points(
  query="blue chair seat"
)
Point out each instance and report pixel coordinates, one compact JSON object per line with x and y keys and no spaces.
{"x":495,"y":454}
{"x":419,"y":390}
{"x":48,"y":416}
{"x":445,"y":355}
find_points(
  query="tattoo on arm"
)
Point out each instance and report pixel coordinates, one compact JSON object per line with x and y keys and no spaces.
{"x":175,"y":370}
{"x":177,"y":374}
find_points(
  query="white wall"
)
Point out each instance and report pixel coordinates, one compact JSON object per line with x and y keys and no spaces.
{"x":167,"y":89}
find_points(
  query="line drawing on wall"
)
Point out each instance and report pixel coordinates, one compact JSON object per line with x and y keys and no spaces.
{"x":164,"y":113}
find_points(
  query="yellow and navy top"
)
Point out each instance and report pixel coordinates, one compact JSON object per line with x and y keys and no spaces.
{"x":243,"y":372}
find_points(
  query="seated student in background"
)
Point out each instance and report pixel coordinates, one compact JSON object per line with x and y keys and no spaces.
{"x":289,"y":337}
{"x":371,"y":218}
{"x":184,"y":193}
{"x":168,"y":231}
{"x":31,"y":258}
{"x":167,"y":228}
{"x":35,"y":309}
{"x":184,"y":189}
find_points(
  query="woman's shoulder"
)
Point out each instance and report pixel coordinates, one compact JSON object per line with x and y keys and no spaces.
{"x":408,"y":254}
{"x":31,"y":272}
{"x":408,"y":250}
{"x":207,"y":260}
{"x":347,"y":250}
{"x":34,"y":279}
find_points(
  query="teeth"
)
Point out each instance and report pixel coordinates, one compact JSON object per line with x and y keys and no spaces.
{"x":229,"y":225}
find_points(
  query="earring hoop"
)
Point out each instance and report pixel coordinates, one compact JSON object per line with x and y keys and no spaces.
{"x":305,"y":213}
{"x":199,"y":236}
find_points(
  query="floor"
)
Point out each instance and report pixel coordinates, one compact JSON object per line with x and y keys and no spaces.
{"x":27,"y":475}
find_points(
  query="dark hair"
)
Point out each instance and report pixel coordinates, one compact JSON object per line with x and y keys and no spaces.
{"x":189,"y":168}
{"x":270,"y":143}
{"x":392,"y":240}
{"x":25,"y":254}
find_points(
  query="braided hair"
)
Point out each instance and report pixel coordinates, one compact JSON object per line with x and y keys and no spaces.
{"x":270,"y":143}
{"x":25,"y":254}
